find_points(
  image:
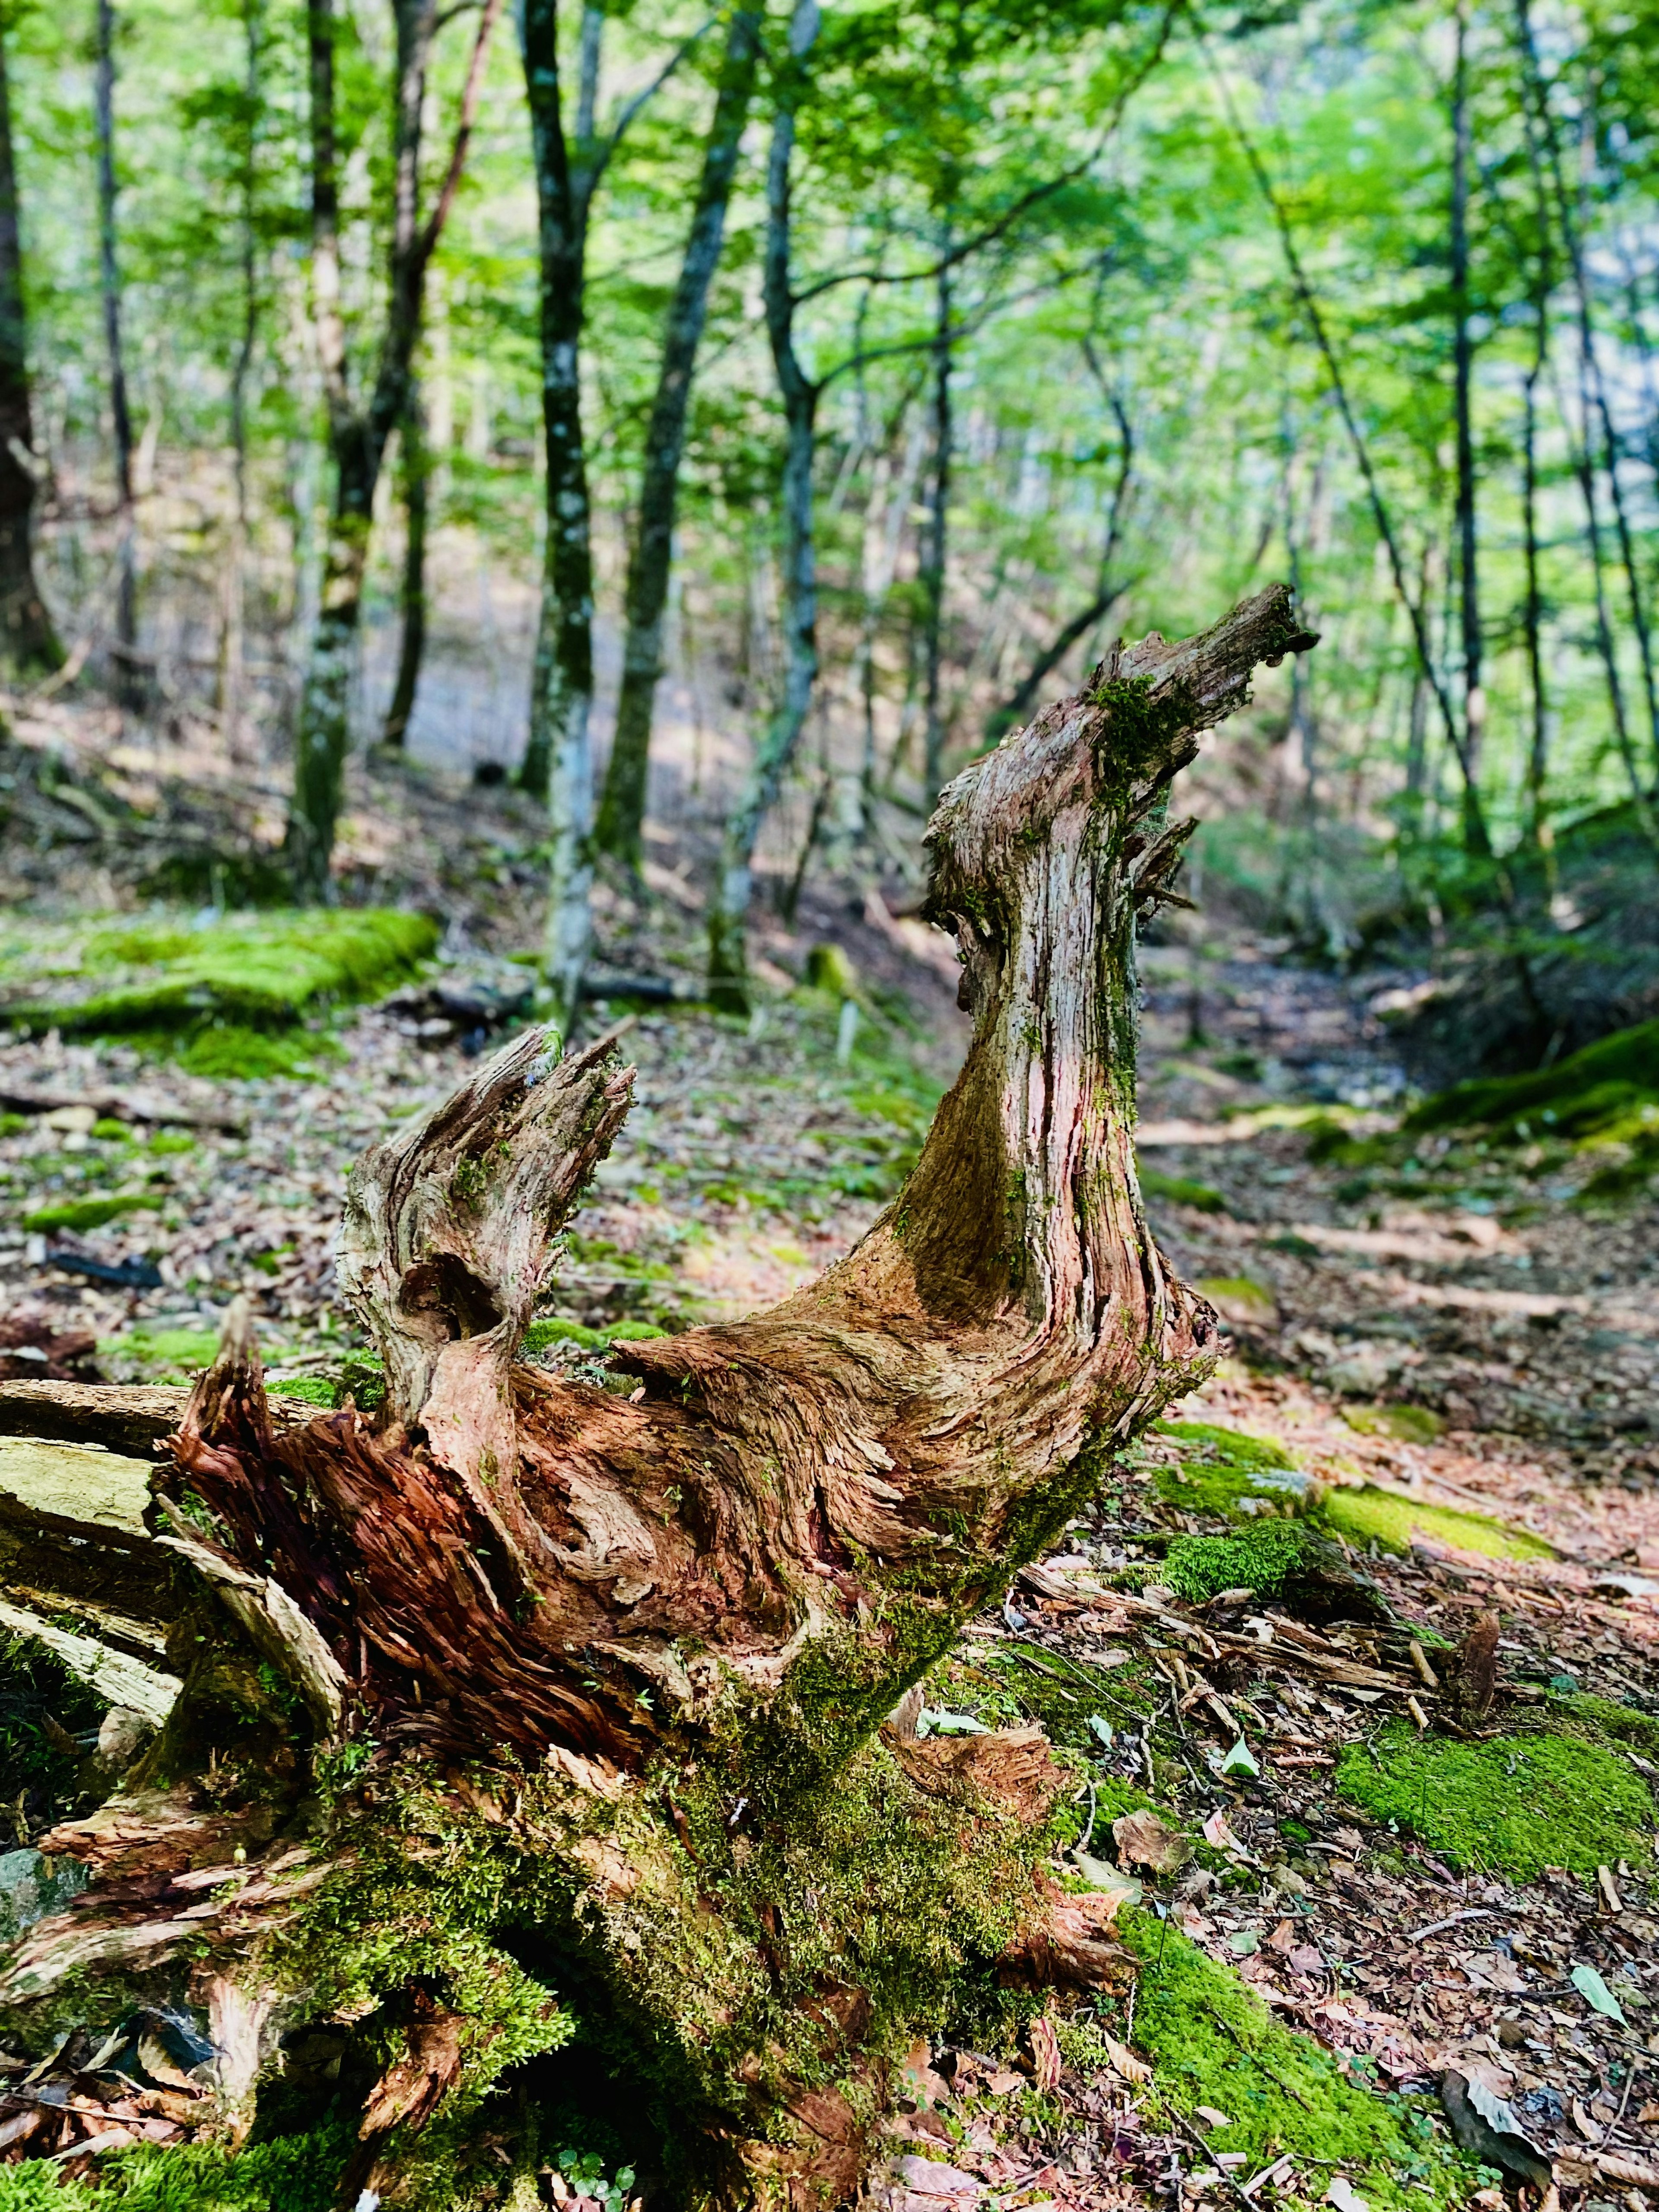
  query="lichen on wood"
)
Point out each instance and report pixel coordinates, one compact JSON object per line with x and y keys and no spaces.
{"x":640,"y":1650}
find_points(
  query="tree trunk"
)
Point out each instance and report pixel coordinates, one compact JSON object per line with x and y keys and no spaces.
{"x":358,"y":435}
{"x":415,"y":467}
{"x":728,"y":959}
{"x":1474,"y":696}
{"x":621,"y":807}
{"x":558,"y":764}
{"x":526,"y":1702}
{"x":127,"y":688}
{"x":28,"y":643}
{"x":934,"y":558}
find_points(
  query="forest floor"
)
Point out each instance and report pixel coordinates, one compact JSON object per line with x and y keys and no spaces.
{"x":1454,"y":1335}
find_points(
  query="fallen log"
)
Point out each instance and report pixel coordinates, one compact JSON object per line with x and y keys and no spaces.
{"x":528,"y":1708}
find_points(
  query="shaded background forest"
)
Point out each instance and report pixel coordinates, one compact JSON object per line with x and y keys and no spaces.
{"x":1107,"y":315}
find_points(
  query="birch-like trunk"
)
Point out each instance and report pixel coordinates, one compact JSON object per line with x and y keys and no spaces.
{"x":558,"y":764}
{"x":127,"y":688}
{"x":728,"y":963}
{"x":621,"y":823}
{"x":528,"y":1696}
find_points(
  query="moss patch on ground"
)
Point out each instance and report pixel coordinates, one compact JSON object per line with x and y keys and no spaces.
{"x":1212,"y":2042}
{"x":1597,"y":1088}
{"x":1512,"y":1805}
{"x":1232,"y":1475}
{"x":297,"y":2174}
{"x":1178,"y":1191}
{"x":1261,"y":1559}
{"x":213,"y":983}
{"x":1393,"y":1519}
{"x":1408,"y":1424}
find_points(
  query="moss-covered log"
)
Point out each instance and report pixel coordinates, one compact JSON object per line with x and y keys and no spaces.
{"x":528,"y":1708}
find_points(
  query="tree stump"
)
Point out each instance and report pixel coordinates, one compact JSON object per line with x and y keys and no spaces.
{"x":526,"y":1711}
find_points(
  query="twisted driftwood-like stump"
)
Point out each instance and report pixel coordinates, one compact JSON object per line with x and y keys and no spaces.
{"x":528,"y":1710}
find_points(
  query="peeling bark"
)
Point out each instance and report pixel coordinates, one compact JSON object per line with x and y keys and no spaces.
{"x":647,"y":1645}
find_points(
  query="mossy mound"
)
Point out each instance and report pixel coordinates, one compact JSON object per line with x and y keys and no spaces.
{"x":1264,"y":1559}
{"x":1580,"y":1097}
{"x":1212,"y":2042}
{"x":203,"y":980}
{"x":1391,"y":1519}
{"x":296,"y":2174}
{"x":1513,"y":1805}
{"x":1225,"y":1472}
{"x":541,"y":1333}
{"x":1602,"y":1721}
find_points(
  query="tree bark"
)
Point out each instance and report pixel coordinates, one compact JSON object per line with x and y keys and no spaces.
{"x":934,"y":558}
{"x":621,"y":822}
{"x":728,"y":960}
{"x":638,"y":1655}
{"x":127,"y":688}
{"x":1474,"y":696}
{"x":558,"y":763}
{"x":28,"y":642}
{"x":358,"y":434}
{"x":415,"y":468}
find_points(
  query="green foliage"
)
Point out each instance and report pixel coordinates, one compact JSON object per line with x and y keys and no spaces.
{"x":1511,"y":1805}
{"x":1212,"y":2042}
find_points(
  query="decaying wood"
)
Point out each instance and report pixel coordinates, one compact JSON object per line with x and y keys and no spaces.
{"x":723,"y":1576}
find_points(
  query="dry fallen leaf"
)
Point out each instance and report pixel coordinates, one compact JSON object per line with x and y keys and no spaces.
{"x":1125,"y":2062}
{"x":1045,"y":2053}
{"x":1143,"y":1839}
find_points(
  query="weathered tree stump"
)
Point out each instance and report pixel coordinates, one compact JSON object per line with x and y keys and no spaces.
{"x":526,"y":1709}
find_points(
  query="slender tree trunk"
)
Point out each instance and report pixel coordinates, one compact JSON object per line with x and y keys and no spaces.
{"x":1535,"y":96}
{"x":358,"y":435}
{"x":415,"y":472}
{"x":728,"y":965}
{"x":558,"y":763}
{"x":129,"y":690}
{"x":1474,"y":696}
{"x":622,"y":808}
{"x":232,"y":648}
{"x":522,"y":1686}
{"x":934,"y":563}
{"x":28,"y":642}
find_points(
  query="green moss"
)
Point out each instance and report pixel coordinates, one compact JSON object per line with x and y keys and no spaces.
{"x":1408,"y":1424}
{"x":161,"y":1355}
{"x":1212,"y":2042}
{"x":1180,"y":1192}
{"x":231,"y":1050}
{"x":1592,"y":1091}
{"x":310,"y":1389}
{"x":541,"y":1333}
{"x":296,"y":2174}
{"x":91,"y":1212}
{"x":1225,"y":1472}
{"x":248,"y":972}
{"x":1513,"y":1805}
{"x":1603,"y":1722}
{"x":1393,"y":1519}
{"x":1262,"y":1560}
{"x":1239,"y":1291}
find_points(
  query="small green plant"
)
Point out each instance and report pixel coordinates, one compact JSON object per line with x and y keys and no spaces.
{"x":585,"y":2172}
